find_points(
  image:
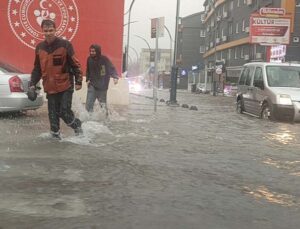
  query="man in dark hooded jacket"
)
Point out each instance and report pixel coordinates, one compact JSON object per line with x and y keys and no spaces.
{"x":98,"y":73}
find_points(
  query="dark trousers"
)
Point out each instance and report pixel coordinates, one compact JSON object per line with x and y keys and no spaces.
{"x":59,"y":106}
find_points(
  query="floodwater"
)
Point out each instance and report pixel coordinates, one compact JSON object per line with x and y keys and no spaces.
{"x":176,"y":168}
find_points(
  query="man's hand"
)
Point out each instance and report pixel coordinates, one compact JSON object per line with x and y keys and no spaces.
{"x":32,"y":88}
{"x":78,"y":87}
{"x":116,"y":81}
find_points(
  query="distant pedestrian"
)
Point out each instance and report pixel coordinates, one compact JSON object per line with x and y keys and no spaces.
{"x":55,"y":63}
{"x":98,"y":73}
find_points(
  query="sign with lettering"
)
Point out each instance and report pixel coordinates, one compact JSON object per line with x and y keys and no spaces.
{"x":276,"y":12}
{"x":270,"y":30}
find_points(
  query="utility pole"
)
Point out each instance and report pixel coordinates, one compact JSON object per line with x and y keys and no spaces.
{"x":174,"y":71}
{"x":128,"y":33}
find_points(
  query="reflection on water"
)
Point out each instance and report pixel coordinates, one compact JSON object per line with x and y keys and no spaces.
{"x":292,"y":166}
{"x":284,"y":136}
{"x":272,"y":197}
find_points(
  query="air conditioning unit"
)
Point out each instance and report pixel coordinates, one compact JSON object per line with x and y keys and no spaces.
{"x":249,"y":2}
{"x":258,"y":55}
{"x":224,"y":38}
{"x":217,"y":40}
{"x":296,"y":39}
{"x":219,"y":18}
{"x":247,"y":29}
{"x":225,"y":14}
{"x":246,"y":57}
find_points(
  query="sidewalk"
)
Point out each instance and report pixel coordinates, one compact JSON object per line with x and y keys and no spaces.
{"x":186,"y":97}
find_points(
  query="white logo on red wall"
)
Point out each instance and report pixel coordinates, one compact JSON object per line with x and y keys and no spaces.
{"x":25,"y":18}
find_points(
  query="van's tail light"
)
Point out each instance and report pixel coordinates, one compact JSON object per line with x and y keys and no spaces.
{"x":15,"y":84}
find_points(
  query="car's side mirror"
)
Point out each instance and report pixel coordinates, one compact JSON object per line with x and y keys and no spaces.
{"x":259,"y":84}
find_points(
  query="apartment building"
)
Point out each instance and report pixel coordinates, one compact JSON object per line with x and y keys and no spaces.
{"x":226,"y":40}
{"x":190,"y":50}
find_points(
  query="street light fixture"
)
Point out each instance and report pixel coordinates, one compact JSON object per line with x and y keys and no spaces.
{"x":145,"y":41}
{"x":128,"y":32}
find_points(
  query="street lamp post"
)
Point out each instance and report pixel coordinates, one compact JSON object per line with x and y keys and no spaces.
{"x":145,"y":41}
{"x":136,"y":53}
{"x":128,"y":33}
{"x":173,"y":100}
{"x":170,"y":45}
{"x":215,"y":48}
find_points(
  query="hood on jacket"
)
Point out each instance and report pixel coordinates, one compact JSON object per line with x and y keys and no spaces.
{"x":97,"y":49}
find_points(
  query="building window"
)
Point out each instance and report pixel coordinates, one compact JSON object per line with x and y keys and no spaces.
{"x":230,"y":28}
{"x":238,"y":3}
{"x":202,"y":49}
{"x":202,"y":33}
{"x":235,"y":53}
{"x":237,"y":28}
{"x":223,"y":33}
{"x":297,"y":3}
{"x":229,"y":54}
{"x":231,"y":5}
{"x":243,"y":25}
{"x":224,"y":9}
{"x":242,"y":52}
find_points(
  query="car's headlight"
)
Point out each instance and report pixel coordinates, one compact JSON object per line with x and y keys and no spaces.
{"x":285,"y":100}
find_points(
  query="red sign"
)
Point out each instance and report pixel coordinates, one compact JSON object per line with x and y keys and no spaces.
{"x":83,"y":23}
{"x":272,"y":11}
{"x":272,"y":31}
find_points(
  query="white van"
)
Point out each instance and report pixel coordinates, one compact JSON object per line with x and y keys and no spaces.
{"x":270,"y":91}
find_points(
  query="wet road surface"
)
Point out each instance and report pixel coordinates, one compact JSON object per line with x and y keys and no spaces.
{"x":176,"y":168}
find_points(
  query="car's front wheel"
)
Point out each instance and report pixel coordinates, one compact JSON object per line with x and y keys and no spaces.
{"x":239,"y":106}
{"x":266,"y":112}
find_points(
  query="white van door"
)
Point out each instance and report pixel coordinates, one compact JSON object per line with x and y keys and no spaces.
{"x":258,"y":90}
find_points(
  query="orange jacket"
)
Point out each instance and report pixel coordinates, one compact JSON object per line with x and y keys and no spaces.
{"x":57,"y":65}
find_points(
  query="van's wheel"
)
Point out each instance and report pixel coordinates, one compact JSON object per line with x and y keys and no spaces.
{"x":266,"y":112}
{"x":239,"y":106}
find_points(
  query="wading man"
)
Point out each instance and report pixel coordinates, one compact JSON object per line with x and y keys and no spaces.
{"x":55,"y":63}
{"x":98,"y":73}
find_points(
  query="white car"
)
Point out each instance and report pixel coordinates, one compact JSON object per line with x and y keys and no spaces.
{"x":13,"y":92}
{"x":270,"y":91}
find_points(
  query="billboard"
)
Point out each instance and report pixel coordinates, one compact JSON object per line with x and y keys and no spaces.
{"x":82,"y":22}
{"x":270,"y":30}
{"x":270,"y":27}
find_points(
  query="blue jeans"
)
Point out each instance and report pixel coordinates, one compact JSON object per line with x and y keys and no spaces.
{"x":92,"y":95}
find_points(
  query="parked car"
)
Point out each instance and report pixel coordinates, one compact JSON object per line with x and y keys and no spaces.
{"x":270,"y":91}
{"x":13,"y":92}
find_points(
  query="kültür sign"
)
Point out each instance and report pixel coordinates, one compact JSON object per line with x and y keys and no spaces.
{"x":270,"y":27}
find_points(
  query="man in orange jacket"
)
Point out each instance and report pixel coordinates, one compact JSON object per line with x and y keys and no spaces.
{"x":55,"y":63}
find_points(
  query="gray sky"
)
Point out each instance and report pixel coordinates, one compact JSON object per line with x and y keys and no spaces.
{"x":144,"y":10}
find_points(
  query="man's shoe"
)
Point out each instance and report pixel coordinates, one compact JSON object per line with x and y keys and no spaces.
{"x":78,"y":131}
{"x":56,"y":135}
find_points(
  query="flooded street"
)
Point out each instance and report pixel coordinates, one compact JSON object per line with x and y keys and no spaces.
{"x":176,"y":169}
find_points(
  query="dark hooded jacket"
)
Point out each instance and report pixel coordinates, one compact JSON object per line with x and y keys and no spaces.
{"x":99,"y":70}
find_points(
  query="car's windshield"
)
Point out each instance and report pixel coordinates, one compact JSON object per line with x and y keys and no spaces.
{"x":2,"y":70}
{"x":283,"y":76}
